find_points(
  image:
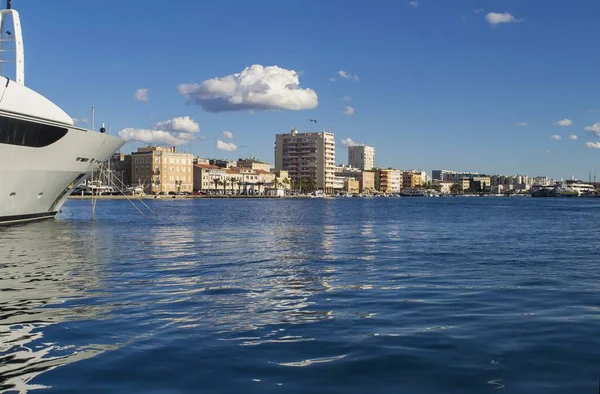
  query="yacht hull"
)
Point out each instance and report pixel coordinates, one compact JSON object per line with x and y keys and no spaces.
{"x":35,"y":182}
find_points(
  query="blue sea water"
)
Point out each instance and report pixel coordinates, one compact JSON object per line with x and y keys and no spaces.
{"x":379,"y":295}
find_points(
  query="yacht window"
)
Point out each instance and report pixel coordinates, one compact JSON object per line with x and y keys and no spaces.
{"x":27,"y":133}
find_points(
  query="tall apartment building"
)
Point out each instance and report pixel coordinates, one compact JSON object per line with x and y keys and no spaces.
{"x":362,"y":157}
{"x":307,"y":156}
{"x":162,"y":169}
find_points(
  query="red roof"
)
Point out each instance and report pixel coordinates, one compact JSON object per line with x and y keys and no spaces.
{"x":208,"y":166}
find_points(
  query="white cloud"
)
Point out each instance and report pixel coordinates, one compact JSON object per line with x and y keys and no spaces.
{"x":414,"y":3}
{"x":226,"y":146}
{"x":495,"y":18}
{"x":595,"y":128}
{"x":183,"y":124}
{"x":478,"y":11}
{"x":80,"y":120}
{"x":523,"y":124}
{"x":255,"y":88}
{"x":563,"y":122}
{"x":347,"y":98}
{"x":348,"y":111}
{"x":332,"y":79}
{"x":347,"y":142}
{"x":594,"y":145}
{"x":555,"y":137}
{"x":548,"y":151}
{"x":228,"y":134}
{"x":347,"y":75}
{"x":141,"y":95}
{"x":573,"y":137}
{"x":176,"y":131}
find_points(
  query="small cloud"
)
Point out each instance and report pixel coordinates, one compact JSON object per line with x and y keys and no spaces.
{"x":176,"y":131}
{"x":80,"y":120}
{"x":332,"y":79}
{"x":495,"y":18}
{"x":592,"y":110}
{"x":523,"y":124}
{"x":548,"y":151}
{"x":478,"y":11}
{"x":347,"y":142}
{"x":595,"y":128}
{"x":573,"y":137}
{"x":348,"y":111}
{"x":347,"y":75}
{"x":555,"y":137}
{"x":563,"y":123}
{"x":226,"y":146}
{"x":347,"y":98}
{"x":228,"y":134}
{"x":414,"y":3}
{"x":141,"y":95}
{"x":593,"y":145}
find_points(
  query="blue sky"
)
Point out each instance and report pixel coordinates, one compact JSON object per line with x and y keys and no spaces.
{"x":439,"y":86}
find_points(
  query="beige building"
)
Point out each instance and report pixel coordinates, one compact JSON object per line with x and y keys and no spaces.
{"x":361,"y":157}
{"x":216,"y":180}
{"x":162,"y":169}
{"x":351,"y":186}
{"x":411,"y":179}
{"x":367,"y":181}
{"x":309,"y":157}
{"x":388,"y":180}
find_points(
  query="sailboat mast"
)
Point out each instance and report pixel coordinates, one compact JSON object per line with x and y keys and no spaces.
{"x":8,"y":4}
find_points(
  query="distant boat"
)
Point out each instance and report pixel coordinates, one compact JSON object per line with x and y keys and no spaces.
{"x":412,"y":192}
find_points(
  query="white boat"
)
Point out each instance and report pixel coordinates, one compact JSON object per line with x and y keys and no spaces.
{"x":412,"y":192}
{"x":42,"y":154}
{"x":94,"y":188}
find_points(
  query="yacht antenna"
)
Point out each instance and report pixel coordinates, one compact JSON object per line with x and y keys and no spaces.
{"x":8,"y":4}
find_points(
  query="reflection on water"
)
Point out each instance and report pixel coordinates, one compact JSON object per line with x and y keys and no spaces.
{"x":348,"y":295}
{"x":43,"y":277}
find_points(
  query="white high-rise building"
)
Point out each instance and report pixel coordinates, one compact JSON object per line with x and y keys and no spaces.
{"x":361,"y":156}
{"x":309,"y":157}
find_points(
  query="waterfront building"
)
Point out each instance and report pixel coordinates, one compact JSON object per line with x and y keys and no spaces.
{"x":253,"y":164}
{"x":439,"y":175}
{"x":162,"y":169}
{"x":388,"y":180}
{"x":366,"y":179}
{"x":464,"y":182}
{"x":216,"y":180}
{"x":120,"y":169}
{"x":411,"y":179}
{"x":308,"y":157}
{"x":351,"y":186}
{"x":361,"y":157}
{"x":454,"y":176}
{"x":445,"y":187}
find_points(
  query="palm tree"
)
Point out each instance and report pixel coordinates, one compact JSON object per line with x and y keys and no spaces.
{"x":224,"y":184}
{"x":285,"y":182}
{"x":217,"y":181}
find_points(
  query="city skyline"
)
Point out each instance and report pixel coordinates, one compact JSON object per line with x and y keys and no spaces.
{"x":467,"y":85}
